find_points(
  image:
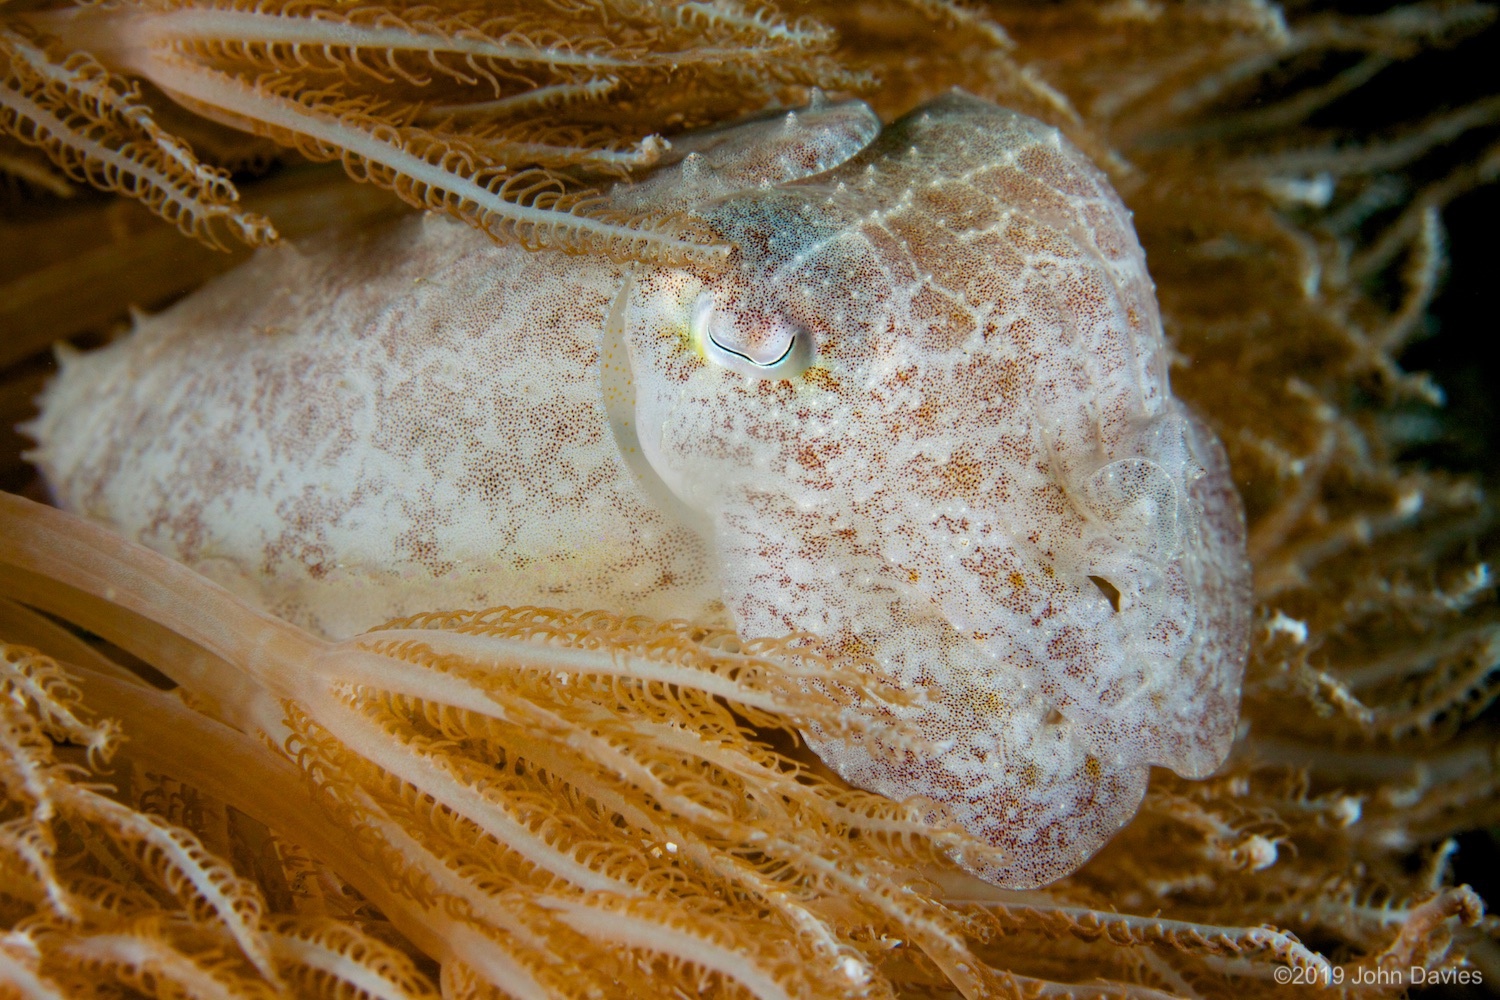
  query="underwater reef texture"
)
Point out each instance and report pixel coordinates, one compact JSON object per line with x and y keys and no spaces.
{"x":202,"y":801}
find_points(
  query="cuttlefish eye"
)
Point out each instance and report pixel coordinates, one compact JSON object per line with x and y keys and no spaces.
{"x":757,"y":345}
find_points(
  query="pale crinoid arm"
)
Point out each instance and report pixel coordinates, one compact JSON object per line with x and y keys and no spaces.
{"x":503,"y":119}
{"x":93,"y":125}
{"x":533,"y":207}
{"x":215,"y":937}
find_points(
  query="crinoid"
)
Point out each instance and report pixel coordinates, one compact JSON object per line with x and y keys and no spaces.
{"x":200,"y":800}
{"x":495,"y":114}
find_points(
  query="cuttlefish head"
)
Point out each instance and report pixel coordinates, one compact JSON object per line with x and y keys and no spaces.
{"x":925,"y":416}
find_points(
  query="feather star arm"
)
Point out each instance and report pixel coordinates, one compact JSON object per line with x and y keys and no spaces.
{"x":403,"y":96}
{"x":93,"y":125}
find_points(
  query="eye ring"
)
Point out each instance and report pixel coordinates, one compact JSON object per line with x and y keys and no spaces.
{"x":794,"y":359}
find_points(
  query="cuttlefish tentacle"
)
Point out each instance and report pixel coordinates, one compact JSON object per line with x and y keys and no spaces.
{"x":923,"y":416}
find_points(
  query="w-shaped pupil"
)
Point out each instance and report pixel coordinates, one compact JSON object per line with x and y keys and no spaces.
{"x":778,"y":349}
{"x":790,"y":345}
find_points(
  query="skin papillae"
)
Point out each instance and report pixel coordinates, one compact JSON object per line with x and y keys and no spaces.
{"x":670,"y":843}
{"x":958,"y":465}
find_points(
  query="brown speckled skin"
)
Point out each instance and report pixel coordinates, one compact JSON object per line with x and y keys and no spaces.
{"x":374,"y":425}
{"x":983,"y":448}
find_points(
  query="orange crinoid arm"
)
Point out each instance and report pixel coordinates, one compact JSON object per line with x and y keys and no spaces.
{"x":502,"y":116}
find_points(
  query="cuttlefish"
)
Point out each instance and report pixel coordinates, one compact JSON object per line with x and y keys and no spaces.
{"x":922,"y":416}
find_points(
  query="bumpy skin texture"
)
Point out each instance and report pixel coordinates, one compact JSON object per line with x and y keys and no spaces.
{"x":987,"y":428}
{"x":973,"y":480}
{"x":373,"y":426}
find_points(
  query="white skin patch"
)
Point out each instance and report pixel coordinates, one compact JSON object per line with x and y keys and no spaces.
{"x":924,"y":415}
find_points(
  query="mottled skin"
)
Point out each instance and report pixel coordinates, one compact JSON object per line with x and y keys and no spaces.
{"x":924,"y":415}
